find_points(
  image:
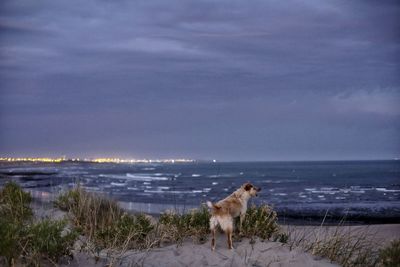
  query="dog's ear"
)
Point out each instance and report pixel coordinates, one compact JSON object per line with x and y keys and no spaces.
{"x":248,"y":186}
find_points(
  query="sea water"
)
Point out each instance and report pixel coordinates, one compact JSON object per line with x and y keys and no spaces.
{"x":364,"y":190}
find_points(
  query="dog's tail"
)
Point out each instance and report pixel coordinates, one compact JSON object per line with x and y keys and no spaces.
{"x":213,"y":206}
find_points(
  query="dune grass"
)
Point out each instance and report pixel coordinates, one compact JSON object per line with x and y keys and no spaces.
{"x":345,"y":245}
{"x":104,"y":222}
{"x":390,"y":255}
{"x":175,"y":227}
{"x":25,"y":241}
{"x":261,"y":222}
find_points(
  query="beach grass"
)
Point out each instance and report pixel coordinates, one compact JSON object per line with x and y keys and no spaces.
{"x":104,"y":222}
{"x":390,"y":255}
{"x":25,"y":241}
{"x":345,"y":245}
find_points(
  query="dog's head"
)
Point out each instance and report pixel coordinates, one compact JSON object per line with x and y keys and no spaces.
{"x":251,"y":189}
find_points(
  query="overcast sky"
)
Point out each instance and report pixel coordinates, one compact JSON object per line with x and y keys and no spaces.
{"x":230,"y":80}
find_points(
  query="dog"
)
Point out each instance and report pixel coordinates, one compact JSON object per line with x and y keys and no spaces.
{"x":224,"y":211}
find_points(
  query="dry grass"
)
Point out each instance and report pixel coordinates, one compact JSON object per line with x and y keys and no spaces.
{"x":390,"y":256}
{"x":104,"y":223}
{"x":344,"y":245}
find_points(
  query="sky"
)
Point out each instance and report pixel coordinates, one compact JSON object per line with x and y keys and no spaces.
{"x":226,"y":79}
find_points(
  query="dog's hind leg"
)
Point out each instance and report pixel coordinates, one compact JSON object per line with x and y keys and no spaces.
{"x":229,"y":237}
{"x":213,"y":225}
{"x":226,"y":224}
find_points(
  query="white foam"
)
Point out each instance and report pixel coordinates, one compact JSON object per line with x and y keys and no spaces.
{"x":214,"y":183}
{"x":148,"y":169}
{"x":197,"y":191}
{"x":118,"y":184}
{"x":196,"y":175}
{"x":144,"y":177}
{"x":280,"y":194}
{"x":382,"y":189}
{"x":167,"y":192}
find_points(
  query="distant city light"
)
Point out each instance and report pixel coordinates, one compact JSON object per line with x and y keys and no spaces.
{"x":94,"y":160}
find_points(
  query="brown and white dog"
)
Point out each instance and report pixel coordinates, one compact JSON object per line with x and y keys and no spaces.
{"x":224,"y":211}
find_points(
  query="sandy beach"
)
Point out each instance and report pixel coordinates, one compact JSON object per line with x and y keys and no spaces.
{"x":244,"y":254}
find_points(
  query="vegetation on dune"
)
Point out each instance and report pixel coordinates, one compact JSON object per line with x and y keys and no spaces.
{"x":176,"y":227}
{"x":14,"y":204}
{"x":104,"y":223}
{"x":390,"y":255}
{"x":260,"y":222}
{"x":25,"y":241}
{"x":345,"y":245}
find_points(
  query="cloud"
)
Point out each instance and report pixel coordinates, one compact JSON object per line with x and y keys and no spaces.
{"x":227,"y":73}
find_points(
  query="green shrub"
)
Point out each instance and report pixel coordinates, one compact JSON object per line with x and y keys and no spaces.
{"x":390,"y":256}
{"x":14,"y":203}
{"x":46,"y":240}
{"x":260,"y":221}
{"x":24,"y":242}
{"x":10,"y":234}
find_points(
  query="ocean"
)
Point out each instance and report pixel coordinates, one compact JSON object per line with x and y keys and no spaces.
{"x":357,"y":191}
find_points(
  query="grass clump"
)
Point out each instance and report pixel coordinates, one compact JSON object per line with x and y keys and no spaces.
{"x":14,"y":203}
{"x":390,"y":256}
{"x":176,"y":227}
{"x":260,"y":222}
{"x":23,"y":241}
{"x":103,"y":222}
{"x":348,"y":246}
{"x":46,"y":240}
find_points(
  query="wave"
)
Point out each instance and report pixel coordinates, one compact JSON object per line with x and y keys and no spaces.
{"x":145,"y":177}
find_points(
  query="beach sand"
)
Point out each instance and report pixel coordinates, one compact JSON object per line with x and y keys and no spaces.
{"x":190,"y":254}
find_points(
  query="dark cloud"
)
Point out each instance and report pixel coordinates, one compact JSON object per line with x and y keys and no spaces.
{"x":200,"y":79}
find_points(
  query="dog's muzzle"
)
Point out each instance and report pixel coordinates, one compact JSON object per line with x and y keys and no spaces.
{"x":258,"y":189}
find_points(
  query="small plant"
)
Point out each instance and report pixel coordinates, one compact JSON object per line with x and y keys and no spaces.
{"x":281,"y":237}
{"x":260,"y":221}
{"x":390,"y":256}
